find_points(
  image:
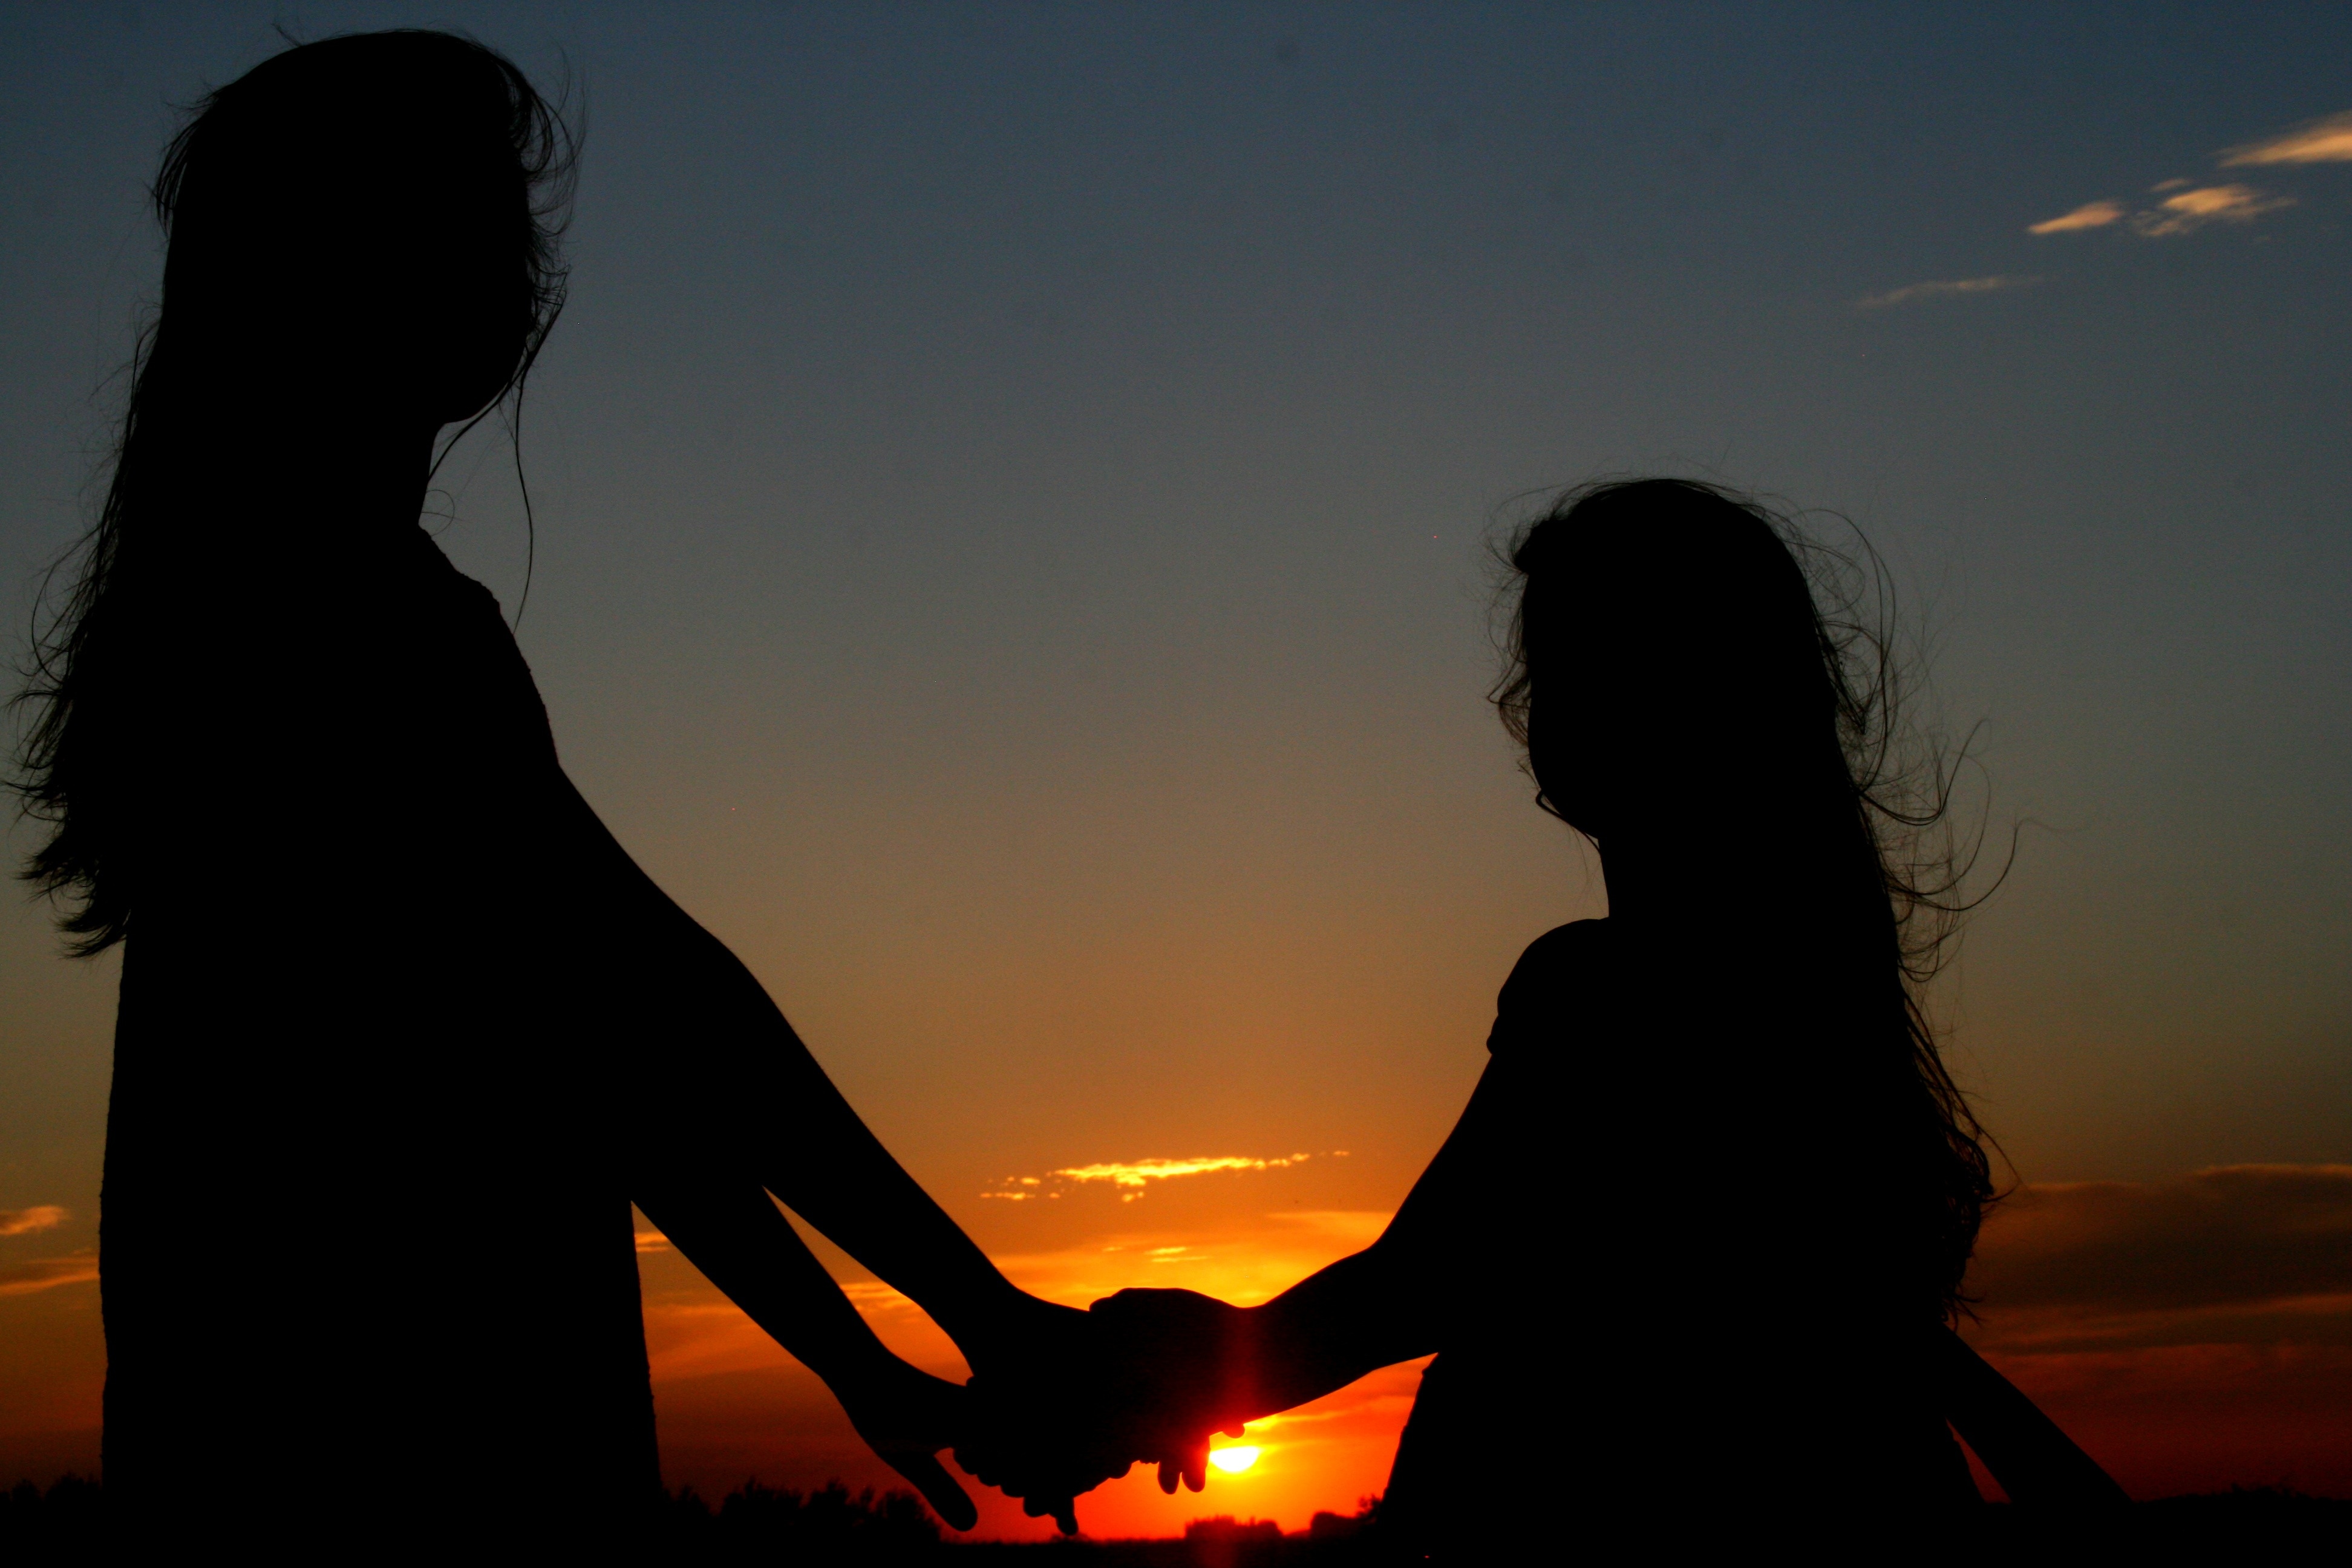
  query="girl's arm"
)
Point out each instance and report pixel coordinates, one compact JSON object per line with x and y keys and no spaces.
{"x":734,"y":1079}
{"x":727,"y":1227}
{"x":1197,"y":1365}
{"x":1395,"y":1299}
{"x":1398,"y":1299}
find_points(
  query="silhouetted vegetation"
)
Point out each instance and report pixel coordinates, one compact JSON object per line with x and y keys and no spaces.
{"x":62,"y":1524}
{"x":756,"y":1523}
{"x":759,"y":1524}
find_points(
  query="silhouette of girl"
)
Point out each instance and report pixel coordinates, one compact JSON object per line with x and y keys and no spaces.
{"x":1688,"y":1256}
{"x":403,"y":1030}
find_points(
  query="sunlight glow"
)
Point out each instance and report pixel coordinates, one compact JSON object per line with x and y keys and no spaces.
{"x":1233,"y":1461}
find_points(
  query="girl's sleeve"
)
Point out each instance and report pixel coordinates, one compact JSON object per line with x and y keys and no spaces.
{"x":1542,"y":987}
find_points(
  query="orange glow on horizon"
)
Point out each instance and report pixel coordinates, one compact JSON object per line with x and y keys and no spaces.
{"x":2174,"y":1393}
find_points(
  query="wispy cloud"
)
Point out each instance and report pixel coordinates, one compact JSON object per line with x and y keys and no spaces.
{"x":2090,"y":214}
{"x":48,"y":1274}
{"x":2231,"y":1236}
{"x":2324,"y":141}
{"x":2185,"y":212}
{"x":1132,"y":1177}
{"x":1941,"y":290}
{"x":24,"y":1222}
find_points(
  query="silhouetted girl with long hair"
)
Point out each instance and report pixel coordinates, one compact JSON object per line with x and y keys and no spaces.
{"x":1689,"y":1257}
{"x":403,"y":1029}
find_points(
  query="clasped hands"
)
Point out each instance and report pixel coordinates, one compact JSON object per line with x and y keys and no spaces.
{"x":1148,"y":1375}
{"x":1068,"y":1400}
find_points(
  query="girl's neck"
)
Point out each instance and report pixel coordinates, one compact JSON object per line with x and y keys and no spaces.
{"x":1670,"y":877}
{"x":367,"y":473}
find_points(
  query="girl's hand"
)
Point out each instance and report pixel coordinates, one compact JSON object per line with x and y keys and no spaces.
{"x":1038,"y":1433}
{"x":1187,"y":1365}
{"x":1146,"y":1374}
{"x":1030,"y":1341}
{"x":907,"y":1416}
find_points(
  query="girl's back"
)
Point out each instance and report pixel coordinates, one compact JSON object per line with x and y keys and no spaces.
{"x":1720,"y":1340}
{"x":367,"y":1062}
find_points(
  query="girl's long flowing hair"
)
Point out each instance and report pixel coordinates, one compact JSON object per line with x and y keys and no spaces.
{"x":285,"y":175}
{"x":1816,"y":624}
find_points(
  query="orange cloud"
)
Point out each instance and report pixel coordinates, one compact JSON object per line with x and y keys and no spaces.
{"x":2322,"y":141}
{"x":48,"y":1274}
{"x":24,"y":1222}
{"x":2184,"y":212}
{"x":1132,"y":1177}
{"x":2090,"y":214}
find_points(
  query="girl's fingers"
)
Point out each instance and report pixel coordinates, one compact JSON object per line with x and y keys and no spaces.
{"x":1062,"y":1510}
{"x":930,"y":1477}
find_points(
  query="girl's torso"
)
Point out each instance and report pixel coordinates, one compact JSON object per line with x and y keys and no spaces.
{"x":363,"y":1229}
{"x":1689,"y":1304}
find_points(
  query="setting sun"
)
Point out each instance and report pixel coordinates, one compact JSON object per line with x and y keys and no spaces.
{"x":1233,"y":1461}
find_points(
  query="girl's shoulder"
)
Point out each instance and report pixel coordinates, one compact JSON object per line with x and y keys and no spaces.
{"x":1562,"y":968}
{"x":1578,"y":941}
{"x":427,"y":573}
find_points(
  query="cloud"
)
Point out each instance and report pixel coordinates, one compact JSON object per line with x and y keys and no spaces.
{"x":2322,"y":141}
{"x":2191,"y":1334}
{"x":2090,"y":214}
{"x":24,"y":1222}
{"x":2185,"y":212}
{"x":1941,"y":290}
{"x":2242,"y":1256}
{"x":1132,"y":1177}
{"x":48,"y":1274}
{"x":1142,"y":1170}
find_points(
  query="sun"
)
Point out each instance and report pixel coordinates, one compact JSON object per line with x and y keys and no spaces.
{"x":1233,"y":1461}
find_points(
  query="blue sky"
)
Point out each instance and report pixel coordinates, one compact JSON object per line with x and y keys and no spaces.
{"x":1013,"y":486}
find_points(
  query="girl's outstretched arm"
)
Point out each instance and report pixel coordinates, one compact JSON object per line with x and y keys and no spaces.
{"x":1197,"y":1365}
{"x":725,"y":1227}
{"x":720,"y":1073}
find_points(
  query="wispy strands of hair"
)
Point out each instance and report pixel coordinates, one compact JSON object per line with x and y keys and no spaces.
{"x":1905,"y":771}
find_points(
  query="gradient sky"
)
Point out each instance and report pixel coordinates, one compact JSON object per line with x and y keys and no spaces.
{"x":1015,"y":486}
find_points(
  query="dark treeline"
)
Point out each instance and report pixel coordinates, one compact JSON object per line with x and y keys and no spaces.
{"x":755,"y":1524}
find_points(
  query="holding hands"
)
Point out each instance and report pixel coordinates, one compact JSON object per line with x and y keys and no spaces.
{"x":1144,"y":1374}
{"x":1154,"y":1374}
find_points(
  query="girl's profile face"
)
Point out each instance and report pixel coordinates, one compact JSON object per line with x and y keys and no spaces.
{"x":1604,"y":749}
{"x":1551,"y":756}
{"x":1576,"y":744}
{"x":452,"y":311}
{"x":1582,"y":756}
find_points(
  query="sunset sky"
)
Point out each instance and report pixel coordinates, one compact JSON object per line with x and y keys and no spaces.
{"x":1015,"y":492}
